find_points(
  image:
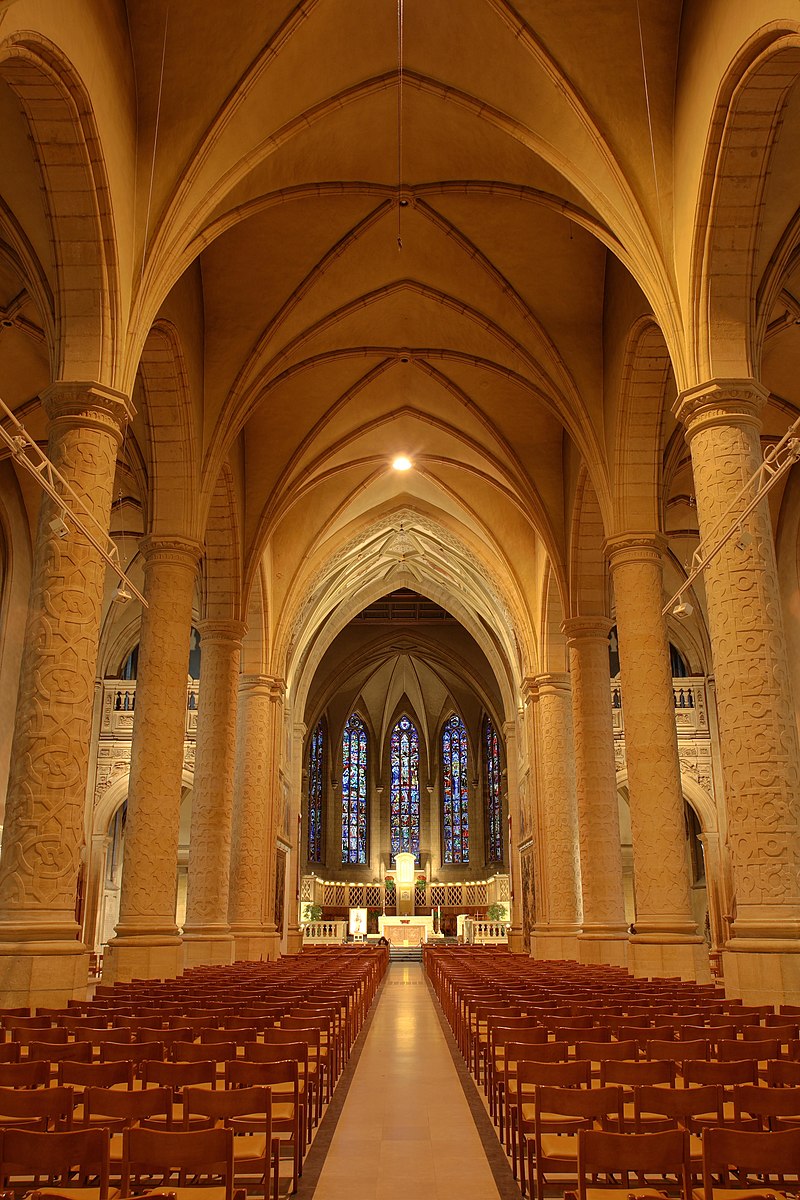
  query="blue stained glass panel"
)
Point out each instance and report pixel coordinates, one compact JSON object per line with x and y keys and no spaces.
{"x":316,"y":782}
{"x":354,"y":791}
{"x":492,"y":795}
{"x":404,"y":791}
{"x":455,"y":796}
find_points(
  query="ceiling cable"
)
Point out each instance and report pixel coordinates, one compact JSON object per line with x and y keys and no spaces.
{"x":400,"y":204}
{"x":649,"y":119}
{"x":155,"y":144}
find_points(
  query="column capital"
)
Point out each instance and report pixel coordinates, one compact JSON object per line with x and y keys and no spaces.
{"x":222,"y":632}
{"x":271,"y":686}
{"x":553,"y":682}
{"x":529,"y":689}
{"x":300,"y":729}
{"x":721,"y":402}
{"x":83,"y":403}
{"x":177,"y":551}
{"x":584,"y":629}
{"x":509,"y":730}
{"x":635,"y":547}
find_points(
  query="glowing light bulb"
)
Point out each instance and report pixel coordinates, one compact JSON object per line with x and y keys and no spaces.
{"x":402,"y":463}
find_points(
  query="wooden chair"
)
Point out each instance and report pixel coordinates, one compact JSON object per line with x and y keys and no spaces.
{"x":288,"y":1107}
{"x":247,"y":1111}
{"x":95,"y":1074}
{"x":689,"y":1109}
{"x":769,"y":1108}
{"x":66,"y":1160}
{"x":149,"y":1153}
{"x":36,"y":1108}
{"x":618,"y":1156}
{"x":781,"y":1072}
{"x":24,"y":1074}
{"x":699,"y":1071}
{"x":759,"y":1155}
{"x":51,"y":1034}
{"x":522,"y":1113}
{"x":9,"y":1052}
{"x":297,"y":1051}
{"x":559,"y":1115}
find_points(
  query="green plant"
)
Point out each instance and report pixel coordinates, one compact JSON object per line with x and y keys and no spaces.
{"x":496,"y":912}
{"x":312,"y":912}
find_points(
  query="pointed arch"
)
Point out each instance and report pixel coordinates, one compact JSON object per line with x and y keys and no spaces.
{"x":588,"y":579}
{"x":638,"y":455}
{"x":404,"y":788}
{"x":223,"y":557}
{"x":355,"y":765}
{"x":492,"y":792}
{"x":317,"y":759}
{"x":455,"y":791}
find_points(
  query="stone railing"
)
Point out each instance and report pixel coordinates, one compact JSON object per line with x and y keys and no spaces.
{"x":119,"y":706}
{"x":485,"y":933}
{"x":691,"y":707}
{"x":330,"y":932}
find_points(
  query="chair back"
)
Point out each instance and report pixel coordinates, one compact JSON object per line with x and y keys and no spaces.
{"x":201,"y":1151}
{"x":639,"y":1154}
{"x":25,"y":1074}
{"x":56,"y":1156}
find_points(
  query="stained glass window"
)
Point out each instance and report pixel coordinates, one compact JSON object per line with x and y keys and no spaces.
{"x":491,"y":790}
{"x":455,"y":799}
{"x":354,"y":791}
{"x":316,"y":783}
{"x":404,"y":798}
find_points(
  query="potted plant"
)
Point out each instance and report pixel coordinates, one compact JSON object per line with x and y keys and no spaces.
{"x":496,"y":912}
{"x":312,"y":913}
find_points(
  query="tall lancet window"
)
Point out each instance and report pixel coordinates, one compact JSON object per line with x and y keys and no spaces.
{"x":493,"y":800}
{"x":354,"y":791}
{"x":404,"y":798}
{"x":316,"y":785}
{"x":455,"y":799}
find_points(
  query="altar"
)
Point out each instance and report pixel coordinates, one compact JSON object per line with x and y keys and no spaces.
{"x":406,"y":931}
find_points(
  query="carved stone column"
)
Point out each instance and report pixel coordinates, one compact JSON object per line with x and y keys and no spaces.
{"x":666,"y":942}
{"x":294,"y":936}
{"x":206,"y":932}
{"x":604,"y":932}
{"x":757,"y":725}
{"x":556,"y":936}
{"x":260,"y":722}
{"x":516,"y":942}
{"x":42,"y":960}
{"x":147,"y":943}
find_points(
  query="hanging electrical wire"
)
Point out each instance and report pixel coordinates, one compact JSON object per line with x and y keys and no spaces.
{"x":400,"y":203}
{"x":649,"y":118}
{"x":155,"y":143}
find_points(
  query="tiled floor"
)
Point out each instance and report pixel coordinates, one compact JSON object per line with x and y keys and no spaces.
{"x":405,"y":1128}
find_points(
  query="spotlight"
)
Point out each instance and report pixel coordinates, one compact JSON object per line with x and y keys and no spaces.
{"x":743,"y":539}
{"x":683,"y":609}
{"x":59,"y":526}
{"x":402,"y":463}
{"x":122,"y":595}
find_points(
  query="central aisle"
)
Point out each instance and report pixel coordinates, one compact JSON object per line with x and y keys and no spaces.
{"x":405,"y":1127}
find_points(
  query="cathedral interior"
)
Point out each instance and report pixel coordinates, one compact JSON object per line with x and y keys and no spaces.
{"x":375,"y":375}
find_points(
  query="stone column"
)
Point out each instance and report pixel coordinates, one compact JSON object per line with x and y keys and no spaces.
{"x":516,"y":941}
{"x":604,"y":932}
{"x":757,"y":721}
{"x":147,"y":944}
{"x":260,"y":721}
{"x":666,"y":942}
{"x":294,"y":936}
{"x":42,"y":960}
{"x":556,"y":937}
{"x":206,"y":932}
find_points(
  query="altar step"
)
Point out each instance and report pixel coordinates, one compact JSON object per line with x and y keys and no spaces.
{"x":405,"y":954}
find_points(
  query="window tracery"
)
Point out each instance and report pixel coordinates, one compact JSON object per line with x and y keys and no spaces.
{"x":455,"y":796}
{"x":354,"y":791}
{"x":404,"y":796}
{"x":493,"y":800}
{"x":316,"y":783}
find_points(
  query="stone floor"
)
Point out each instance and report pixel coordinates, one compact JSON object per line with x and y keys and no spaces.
{"x":408,"y":1121}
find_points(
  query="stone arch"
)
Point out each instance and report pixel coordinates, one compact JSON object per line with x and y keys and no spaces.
{"x":554,"y":654}
{"x":744,"y":131}
{"x":256,"y":639}
{"x":15,"y":578}
{"x":222,"y":564}
{"x":171,"y":433}
{"x":588,"y":577}
{"x":638,"y":445}
{"x":77,"y":200}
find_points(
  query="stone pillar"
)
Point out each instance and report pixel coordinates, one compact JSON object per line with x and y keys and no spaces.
{"x":206,"y":932}
{"x":147,"y":944}
{"x":556,"y":937}
{"x":260,"y":722}
{"x":757,"y":721}
{"x":516,"y":942}
{"x":95,"y":879}
{"x":294,"y":936}
{"x":604,"y":932}
{"x":666,"y":942}
{"x":42,"y":960}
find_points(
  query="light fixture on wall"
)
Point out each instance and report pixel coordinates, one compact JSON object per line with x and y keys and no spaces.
{"x":122,"y":595}
{"x":683,"y":609}
{"x":59,"y":526}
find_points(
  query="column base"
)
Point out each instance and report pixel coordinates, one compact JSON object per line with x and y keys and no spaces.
{"x":603,"y":949}
{"x":294,"y":940}
{"x":653,"y":957}
{"x":762,"y":973}
{"x":142,"y":957}
{"x":555,"y":944}
{"x":206,"y":949}
{"x":516,"y":941}
{"x":46,"y":977}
